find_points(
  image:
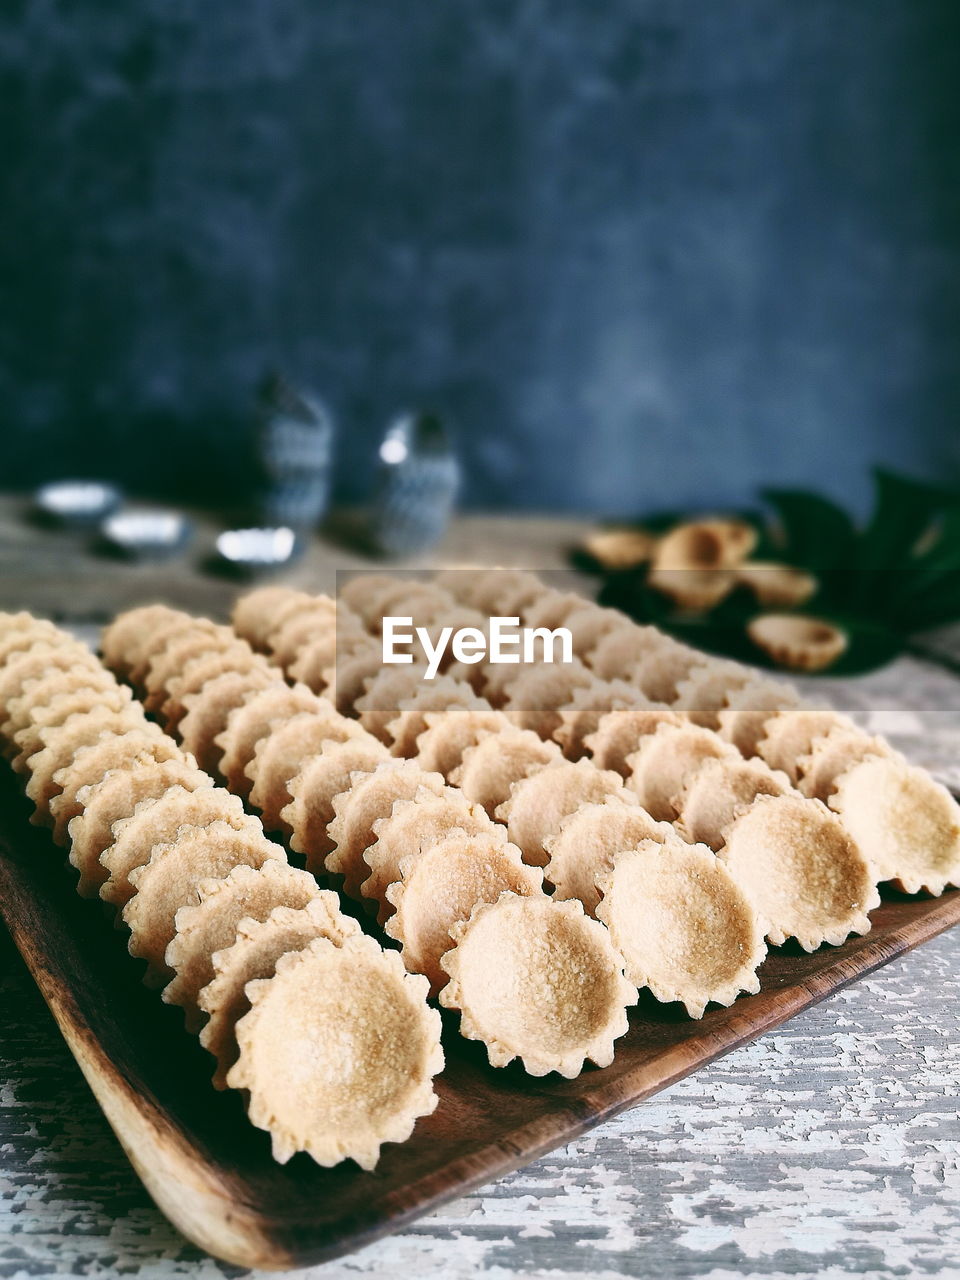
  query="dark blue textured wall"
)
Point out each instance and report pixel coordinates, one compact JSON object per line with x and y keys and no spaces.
{"x":644,"y":251}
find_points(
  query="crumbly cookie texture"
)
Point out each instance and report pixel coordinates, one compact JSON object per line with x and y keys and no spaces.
{"x":906,"y":824}
{"x":805,"y":875}
{"x":438,"y":886}
{"x":537,"y":980}
{"x":685,"y":928}
{"x":338,"y":1052}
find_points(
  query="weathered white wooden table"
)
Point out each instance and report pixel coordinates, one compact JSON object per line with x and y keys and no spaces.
{"x":830,"y":1148}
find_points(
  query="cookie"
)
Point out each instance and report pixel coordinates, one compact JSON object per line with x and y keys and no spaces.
{"x":539,"y":803}
{"x":805,"y":876}
{"x":585,"y":843}
{"x":619,"y":734}
{"x":716,"y":793}
{"x":210,"y":924}
{"x":252,"y":720}
{"x":358,"y":807}
{"x":411,"y":827}
{"x":169,"y":878}
{"x":665,"y":759}
{"x":155,"y":822}
{"x":440,"y":883}
{"x":685,"y":929}
{"x":537,"y":980}
{"x":208,"y":710}
{"x":906,"y":824}
{"x":114,"y":797}
{"x":491,"y":767}
{"x":442,"y":744}
{"x":338,"y":1052}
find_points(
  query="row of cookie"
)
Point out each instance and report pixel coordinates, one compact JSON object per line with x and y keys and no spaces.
{"x":399,"y":838}
{"x":617,"y":662}
{"x":486,"y":755}
{"x":391,"y":700}
{"x":606,"y":643}
{"x":687,"y":775}
{"x":613,"y":647}
{"x":437,"y":863}
{"x":514,"y":775}
{"x":210,"y":904}
{"x":817,"y":749}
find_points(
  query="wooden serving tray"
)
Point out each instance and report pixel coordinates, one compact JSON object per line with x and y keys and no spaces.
{"x":211,"y":1172}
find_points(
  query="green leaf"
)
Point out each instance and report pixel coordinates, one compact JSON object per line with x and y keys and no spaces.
{"x":817,"y":533}
{"x":904,"y":510}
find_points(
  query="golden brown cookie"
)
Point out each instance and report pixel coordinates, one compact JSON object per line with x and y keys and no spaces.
{"x":280,"y":754}
{"x":539,"y":802}
{"x":155,"y":822}
{"x":439,"y":886}
{"x":665,"y":759}
{"x":357,"y":808}
{"x":411,"y":827}
{"x":254,"y":614}
{"x":498,"y":760}
{"x":583,"y":846}
{"x":92,"y":762}
{"x":168,"y":880}
{"x":253,"y":720}
{"x":320,"y":779}
{"x":338,"y":1052}
{"x":804,"y":874}
{"x":906,"y":824}
{"x":441,"y":696}
{"x":537,"y":980}
{"x":210,"y":924}
{"x":799,"y":642}
{"x":685,"y":929}
{"x":619,"y":734}
{"x":442,"y":744}
{"x":790,"y":734}
{"x":114,"y":797}
{"x":253,"y":954}
{"x":777,"y":586}
{"x":581,"y":716}
{"x":207,"y":711}
{"x":716,"y":793}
